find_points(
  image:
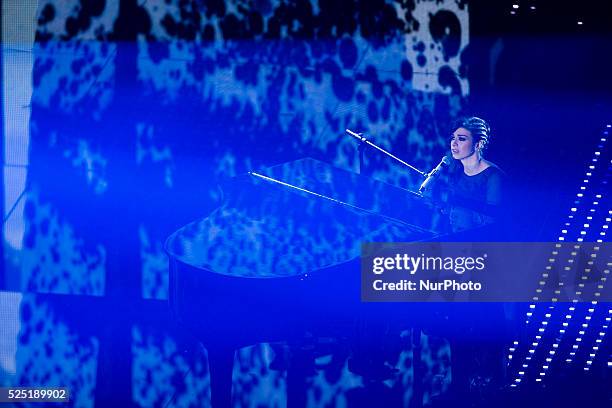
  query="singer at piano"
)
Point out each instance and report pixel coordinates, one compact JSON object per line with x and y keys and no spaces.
{"x":475,"y":187}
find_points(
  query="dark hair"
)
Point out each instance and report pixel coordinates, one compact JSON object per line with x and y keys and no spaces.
{"x":479,"y":128}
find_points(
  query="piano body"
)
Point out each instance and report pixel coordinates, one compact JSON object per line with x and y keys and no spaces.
{"x":281,"y":256}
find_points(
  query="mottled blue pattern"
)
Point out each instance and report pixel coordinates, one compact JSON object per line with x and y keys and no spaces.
{"x":141,"y":109}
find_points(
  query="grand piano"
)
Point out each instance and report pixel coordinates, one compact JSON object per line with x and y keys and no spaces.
{"x":280,"y":257}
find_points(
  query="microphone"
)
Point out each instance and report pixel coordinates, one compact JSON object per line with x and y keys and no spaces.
{"x":432,"y":174}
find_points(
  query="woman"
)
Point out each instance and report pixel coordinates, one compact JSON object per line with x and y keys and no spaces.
{"x":475,"y":190}
{"x":478,"y":332}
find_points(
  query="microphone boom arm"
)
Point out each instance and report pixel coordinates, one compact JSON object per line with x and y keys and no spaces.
{"x":362,"y":139}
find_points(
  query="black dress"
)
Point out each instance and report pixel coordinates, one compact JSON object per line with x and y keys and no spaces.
{"x":475,"y":201}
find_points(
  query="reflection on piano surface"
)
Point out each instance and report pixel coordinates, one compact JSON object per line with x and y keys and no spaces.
{"x":280,"y":257}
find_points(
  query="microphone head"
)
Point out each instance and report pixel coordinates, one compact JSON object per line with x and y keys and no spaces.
{"x":446,"y":160}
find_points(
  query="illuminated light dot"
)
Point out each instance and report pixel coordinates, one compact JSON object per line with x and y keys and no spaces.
{"x":572,"y":308}
{"x":541,"y":329}
{"x":531,"y":307}
{"x":545,"y":367}
{"x":534,"y":344}
{"x":538,"y":337}
{"x":589,"y":362}
{"x":588,"y":174}
{"x":580,"y":240}
{"x":586,"y":225}
{"x":575,"y":346}
{"x":583,"y":188}
{"x":515,"y":6}
{"x":568,"y":360}
{"x":592,"y":167}
{"x":592,"y":355}
{"x":542,"y":373}
{"x":579,"y":22}
{"x":538,"y":379}
{"x":578,"y":339}
{"x":595,"y":202}
{"x":529,"y":314}
{"x":565,"y":324}
{"x":597,"y":153}
{"x":598,"y":196}
{"x":552,"y":352}
{"x":521,"y":373}
{"x":573,"y":209}
{"x":589,"y":218}
{"x":581,"y":332}
{"x":555,"y":345}
{"x":548,"y":359}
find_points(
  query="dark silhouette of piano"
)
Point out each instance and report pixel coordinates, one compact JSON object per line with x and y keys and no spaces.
{"x":281,"y":257}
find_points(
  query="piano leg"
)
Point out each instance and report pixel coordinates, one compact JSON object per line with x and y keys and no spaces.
{"x":221,"y":363}
{"x":417,"y":367}
{"x":300,"y":366}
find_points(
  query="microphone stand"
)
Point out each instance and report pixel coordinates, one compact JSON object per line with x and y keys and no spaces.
{"x":364,"y":141}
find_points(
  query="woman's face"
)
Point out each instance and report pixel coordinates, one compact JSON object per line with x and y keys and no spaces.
{"x":461,"y":144}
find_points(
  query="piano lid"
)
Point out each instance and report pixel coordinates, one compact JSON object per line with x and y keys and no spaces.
{"x":296,"y":218}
